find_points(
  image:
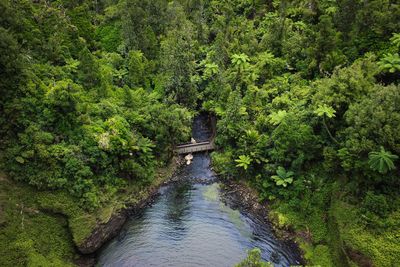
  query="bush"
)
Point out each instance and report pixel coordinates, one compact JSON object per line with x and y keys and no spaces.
{"x":253,"y":260}
{"x":322,"y":257}
{"x":375,"y":204}
{"x":222,"y":162}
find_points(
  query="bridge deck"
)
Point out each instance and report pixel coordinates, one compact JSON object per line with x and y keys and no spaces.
{"x":193,"y":148}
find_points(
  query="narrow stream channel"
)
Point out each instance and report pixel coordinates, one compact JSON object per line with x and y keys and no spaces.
{"x":191,"y":223}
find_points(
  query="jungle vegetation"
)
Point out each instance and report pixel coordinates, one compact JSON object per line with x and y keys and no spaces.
{"x":94,"y":94}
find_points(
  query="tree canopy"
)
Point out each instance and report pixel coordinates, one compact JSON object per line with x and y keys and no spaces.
{"x":95,"y":94}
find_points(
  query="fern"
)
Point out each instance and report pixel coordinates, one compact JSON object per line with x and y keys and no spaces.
{"x":390,"y":63}
{"x":325,"y":110}
{"x":243,"y":161}
{"x":276,"y":117}
{"x":382,"y":161}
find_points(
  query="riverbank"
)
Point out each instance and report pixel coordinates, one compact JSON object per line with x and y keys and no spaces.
{"x":196,"y":221}
{"x":110,"y":218}
{"x":335,"y":236}
{"x":46,"y":228}
{"x":250,"y":201}
{"x":286,"y":226}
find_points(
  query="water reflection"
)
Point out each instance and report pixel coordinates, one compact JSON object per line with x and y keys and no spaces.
{"x":178,"y":208}
{"x":192,"y":224}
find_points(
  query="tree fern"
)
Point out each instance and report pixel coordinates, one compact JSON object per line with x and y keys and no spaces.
{"x":382,"y":161}
{"x":395,"y":40}
{"x":390,"y":63}
{"x":240,"y":61}
{"x":326,"y":111}
{"x":276,"y":117}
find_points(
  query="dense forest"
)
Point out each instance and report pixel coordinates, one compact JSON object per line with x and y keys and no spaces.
{"x":95,"y":94}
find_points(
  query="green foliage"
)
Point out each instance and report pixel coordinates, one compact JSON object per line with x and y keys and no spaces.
{"x":79,"y":120}
{"x":243,"y":161}
{"x":222,"y":161}
{"x":240,"y":62}
{"x":277,"y":117}
{"x":325,"y":110}
{"x":210,"y":69}
{"x":292,"y":142}
{"x":380,"y":244}
{"x":321,"y":256}
{"x":30,"y":236}
{"x":253,"y":259}
{"x":110,"y":37}
{"x":395,"y":40}
{"x":94,"y":95}
{"x":382,"y":161}
{"x":177,"y":59}
{"x":142,"y":23}
{"x":376,"y":117}
{"x":283,"y":177}
{"x":376,"y":204}
{"x":137,"y":65}
{"x":390,"y":63}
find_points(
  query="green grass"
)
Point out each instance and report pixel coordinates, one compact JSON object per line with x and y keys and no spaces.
{"x":28,"y":235}
{"x":311,"y":233}
{"x":41,"y":228}
{"x":80,"y":222}
{"x":326,"y":237}
{"x":381,"y":246}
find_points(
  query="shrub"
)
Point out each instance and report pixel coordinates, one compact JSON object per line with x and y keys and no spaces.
{"x":375,"y":204}
{"x":253,"y":259}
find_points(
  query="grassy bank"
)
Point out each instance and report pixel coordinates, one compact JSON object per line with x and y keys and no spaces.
{"x":337,"y":235}
{"x":30,"y":236}
{"x":42,"y":228}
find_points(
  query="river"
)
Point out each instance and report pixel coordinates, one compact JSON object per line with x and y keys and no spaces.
{"x":193,"y":223}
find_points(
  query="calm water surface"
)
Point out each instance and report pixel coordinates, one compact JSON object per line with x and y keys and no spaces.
{"x":191,"y":223}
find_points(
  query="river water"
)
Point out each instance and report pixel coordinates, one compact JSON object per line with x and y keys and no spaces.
{"x":192,"y":223}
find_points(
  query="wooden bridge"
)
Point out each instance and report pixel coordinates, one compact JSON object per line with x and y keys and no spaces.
{"x":195,"y":147}
{"x":199,"y":146}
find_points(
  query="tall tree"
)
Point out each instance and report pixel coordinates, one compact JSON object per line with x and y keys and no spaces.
{"x":178,"y":59}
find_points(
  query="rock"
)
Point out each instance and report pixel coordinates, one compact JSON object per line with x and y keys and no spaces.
{"x":86,"y":261}
{"x":102,"y":233}
{"x":248,"y":199}
{"x":188,"y":159}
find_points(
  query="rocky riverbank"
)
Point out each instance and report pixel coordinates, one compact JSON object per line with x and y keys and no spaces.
{"x":248,"y":200}
{"x":104,"y":230}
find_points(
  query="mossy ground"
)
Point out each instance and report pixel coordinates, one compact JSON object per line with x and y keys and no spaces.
{"x":309,"y":233}
{"x":381,"y":246}
{"x":30,"y":236}
{"x":41,"y":228}
{"x":332,"y":237}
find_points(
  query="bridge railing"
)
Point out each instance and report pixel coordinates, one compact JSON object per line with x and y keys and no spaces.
{"x":192,"y":148}
{"x":200,"y":146}
{"x":193,"y":144}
